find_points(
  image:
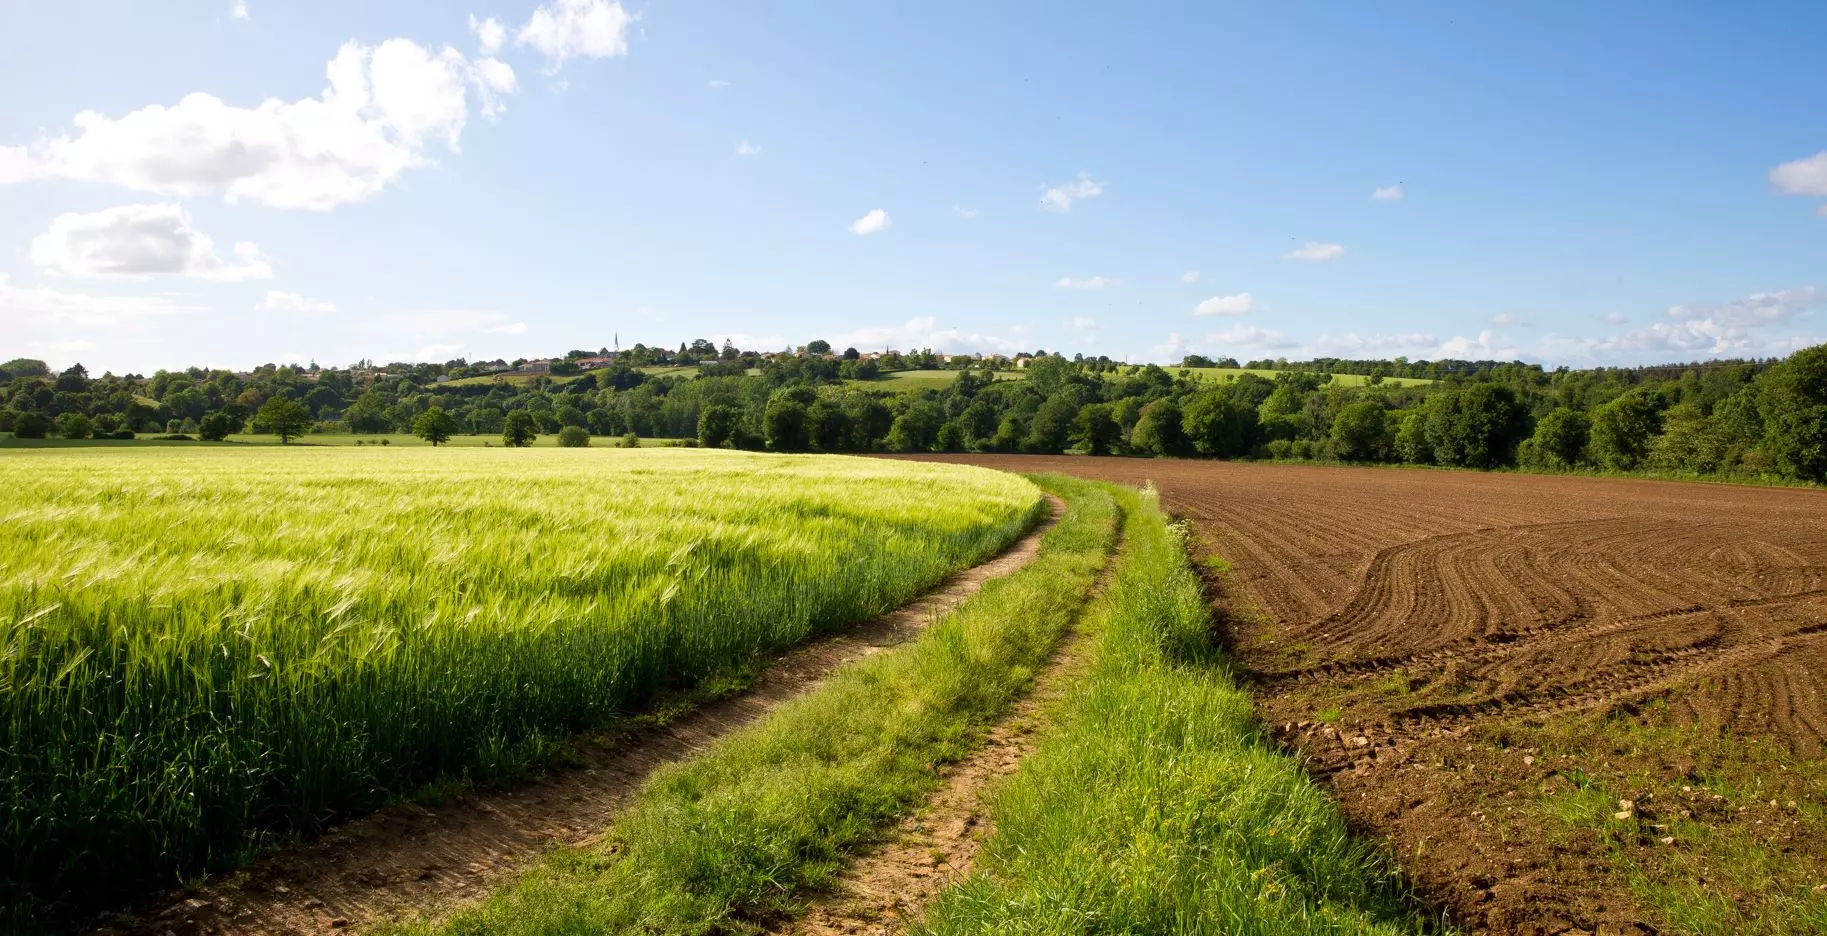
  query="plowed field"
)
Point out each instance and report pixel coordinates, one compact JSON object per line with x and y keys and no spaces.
{"x":1464,"y":654}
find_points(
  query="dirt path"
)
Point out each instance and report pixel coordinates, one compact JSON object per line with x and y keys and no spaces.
{"x":410,"y":858}
{"x":885,"y":890}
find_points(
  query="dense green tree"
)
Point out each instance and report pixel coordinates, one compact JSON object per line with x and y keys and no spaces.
{"x":1158,"y":430}
{"x":519,"y":429}
{"x":1623,"y":429}
{"x":1792,"y":399}
{"x":818,"y":346}
{"x":286,"y":418}
{"x":1360,"y":432}
{"x":31,"y":426}
{"x":218,"y":425}
{"x":717,"y":425}
{"x":573,"y":437}
{"x":1560,"y":440}
{"x":1216,"y":426}
{"x":827,"y":426}
{"x":1096,"y":429}
{"x":74,"y":426}
{"x":784,"y":424}
{"x":434,"y":426}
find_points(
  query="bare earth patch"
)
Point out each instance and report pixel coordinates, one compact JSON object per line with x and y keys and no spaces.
{"x":413,"y":859}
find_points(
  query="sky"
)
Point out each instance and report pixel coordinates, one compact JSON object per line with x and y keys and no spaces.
{"x":227,"y":183}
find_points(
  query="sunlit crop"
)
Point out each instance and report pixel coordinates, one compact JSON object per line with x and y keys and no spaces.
{"x":201,"y":649}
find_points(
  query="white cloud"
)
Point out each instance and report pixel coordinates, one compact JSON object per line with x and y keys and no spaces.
{"x":385,"y":106}
{"x":1239,"y":304}
{"x":968,"y":214}
{"x":1079,"y":323}
{"x":238,"y":10}
{"x":490,"y":35}
{"x":719,"y":83}
{"x":1615,"y":318}
{"x":1315,"y":251}
{"x":24,"y":307}
{"x":1060,"y":197}
{"x":1173,"y":349}
{"x":1190,"y":276}
{"x":1352,"y":344}
{"x":566,"y":29}
{"x":875,"y":220}
{"x":138,"y":241}
{"x":1388,"y":193}
{"x":745,"y":148}
{"x":1764,"y":308}
{"x":1488,"y":346}
{"x":1503,"y":318}
{"x":1250,"y":336}
{"x":1089,"y":282}
{"x":277,"y":301}
{"x":1802,"y":176}
{"x":923,"y":332}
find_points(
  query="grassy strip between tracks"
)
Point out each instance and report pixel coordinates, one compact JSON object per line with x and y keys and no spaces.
{"x":1155,"y":805}
{"x":744,"y":832}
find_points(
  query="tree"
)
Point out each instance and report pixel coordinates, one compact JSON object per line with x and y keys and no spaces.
{"x":952,"y":437}
{"x":1623,"y":428}
{"x":1216,"y":426}
{"x":74,"y":426}
{"x":716,"y":424}
{"x":31,"y":425}
{"x":1096,"y":429}
{"x":784,"y":424}
{"x":1360,"y":432}
{"x":1475,"y":428}
{"x":827,"y":427}
{"x":1792,"y":398}
{"x":1158,"y":431}
{"x":574,"y":437}
{"x":434,"y":426}
{"x":818,"y":346}
{"x":1560,"y":440}
{"x":284,"y":417}
{"x":519,"y":429}
{"x":218,"y":425}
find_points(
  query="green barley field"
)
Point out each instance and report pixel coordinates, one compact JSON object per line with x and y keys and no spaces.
{"x":205,"y":651}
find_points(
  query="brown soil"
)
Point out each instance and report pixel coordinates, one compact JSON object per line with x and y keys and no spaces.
{"x":409,"y":860}
{"x":1401,"y":627}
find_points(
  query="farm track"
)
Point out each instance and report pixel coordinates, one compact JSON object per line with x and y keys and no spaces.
{"x":410,"y":859}
{"x":886,"y":889}
{"x":1387,"y":618}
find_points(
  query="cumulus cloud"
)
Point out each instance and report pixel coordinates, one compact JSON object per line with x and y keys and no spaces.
{"x":490,"y":35}
{"x":875,"y":220}
{"x":924,"y":332}
{"x":385,"y":108}
{"x":1503,"y":318}
{"x":1239,"y":304}
{"x":1089,"y":282}
{"x":566,"y":29}
{"x":1763,"y":308}
{"x":1488,"y":346}
{"x":1616,"y":318}
{"x":1250,"y":336}
{"x":745,"y":148}
{"x":1807,"y":177}
{"x":238,"y":10}
{"x":288,"y":302}
{"x":1079,"y":323}
{"x":140,"y":241}
{"x":1190,"y":276}
{"x":1352,"y":344}
{"x":23,"y":307}
{"x":1315,"y":251}
{"x":1388,"y":193}
{"x":1060,"y":197}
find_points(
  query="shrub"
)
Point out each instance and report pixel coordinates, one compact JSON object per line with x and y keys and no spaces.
{"x":574,"y":437}
{"x":125,"y":435}
{"x":1559,"y":441}
{"x":1623,"y":428}
{"x":74,"y":426}
{"x":629,"y":440}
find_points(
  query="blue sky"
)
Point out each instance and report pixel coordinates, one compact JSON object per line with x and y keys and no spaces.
{"x":1578,"y":183}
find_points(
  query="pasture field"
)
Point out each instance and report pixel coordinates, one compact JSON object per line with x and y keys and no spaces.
{"x":1563,"y":702}
{"x":209,"y":650}
{"x":904,"y":380}
{"x":391,"y":439}
{"x":1342,"y":380}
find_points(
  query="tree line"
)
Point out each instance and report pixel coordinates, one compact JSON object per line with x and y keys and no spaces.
{"x":1725,"y":419}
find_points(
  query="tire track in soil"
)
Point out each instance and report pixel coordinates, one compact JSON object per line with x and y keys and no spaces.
{"x":1386,"y":618}
{"x":411,"y":859}
{"x":886,"y":889}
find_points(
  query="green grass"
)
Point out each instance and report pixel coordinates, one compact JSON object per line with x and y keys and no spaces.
{"x":764,"y":818}
{"x":1156,"y":805}
{"x":1341,"y":380}
{"x":902,"y":381}
{"x":518,"y":380}
{"x":208,"y":649}
{"x":390,"y":439}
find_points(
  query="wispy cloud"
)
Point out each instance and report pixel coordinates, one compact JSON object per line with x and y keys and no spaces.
{"x":1388,"y":193}
{"x":1315,"y":251}
{"x":745,"y":148}
{"x":1059,"y":198}
{"x":1089,"y":282}
{"x":1190,"y":276}
{"x":1239,"y":304}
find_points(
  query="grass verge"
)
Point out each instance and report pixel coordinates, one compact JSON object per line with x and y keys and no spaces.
{"x":1156,"y":805}
{"x":744,"y":832}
